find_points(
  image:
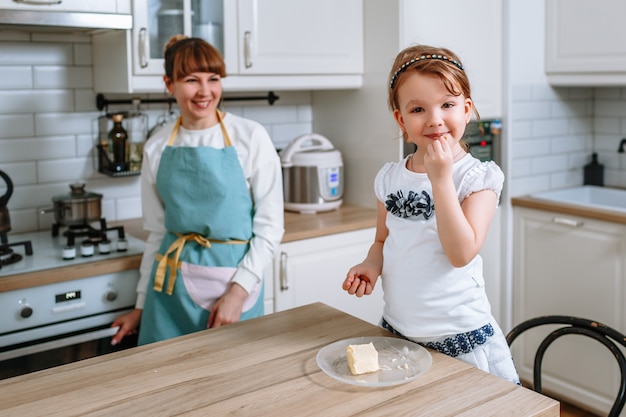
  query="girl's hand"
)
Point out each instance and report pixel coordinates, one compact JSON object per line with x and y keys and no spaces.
{"x":439,"y":159}
{"x":357,"y":281}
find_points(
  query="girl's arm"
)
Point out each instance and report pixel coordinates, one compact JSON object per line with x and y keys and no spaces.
{"x":462,"y":227}
{"x":362,"y":278}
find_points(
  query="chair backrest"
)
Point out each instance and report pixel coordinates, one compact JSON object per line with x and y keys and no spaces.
{"x":573,"y":325}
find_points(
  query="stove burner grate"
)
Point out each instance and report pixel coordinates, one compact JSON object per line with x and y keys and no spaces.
{"x":7,"y":255}
{"x":92,"y":234}
{"x":10,"y":259}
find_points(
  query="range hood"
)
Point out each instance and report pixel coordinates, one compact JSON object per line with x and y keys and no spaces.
{"x":63,"y":20}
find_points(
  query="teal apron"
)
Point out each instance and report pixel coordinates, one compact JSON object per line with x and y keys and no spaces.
{"x":208,"y":217}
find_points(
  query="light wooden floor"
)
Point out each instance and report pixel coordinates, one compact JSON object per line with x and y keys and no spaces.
{"x":568,"y":410}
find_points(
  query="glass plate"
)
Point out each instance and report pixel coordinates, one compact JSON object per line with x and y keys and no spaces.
{"x":400,"y":361}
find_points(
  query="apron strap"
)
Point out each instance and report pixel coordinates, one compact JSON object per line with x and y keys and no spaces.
{"x":224,"y":132}
{"x":176,"y":127}
{"x":176,"y":248}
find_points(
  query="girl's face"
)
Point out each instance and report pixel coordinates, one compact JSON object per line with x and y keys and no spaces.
{"x":198,"y":95}
{"x":427,"y":110}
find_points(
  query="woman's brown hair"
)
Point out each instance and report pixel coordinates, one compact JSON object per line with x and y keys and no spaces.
{"x":184,"y":55}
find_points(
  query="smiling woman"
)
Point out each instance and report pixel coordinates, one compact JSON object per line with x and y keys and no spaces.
{"x":213,"y":205}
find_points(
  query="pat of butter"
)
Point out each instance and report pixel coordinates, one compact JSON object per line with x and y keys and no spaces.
{"x":362,"y":359}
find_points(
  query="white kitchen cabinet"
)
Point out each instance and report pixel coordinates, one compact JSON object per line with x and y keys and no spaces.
{"x":585,"y":42}
{"x":312,"y":270}
{"x":473,"y":30}
{"x":267,"y":44}
{"x":306,"y":37}
{"x":570,"y":265}
{"x":100,"y":6}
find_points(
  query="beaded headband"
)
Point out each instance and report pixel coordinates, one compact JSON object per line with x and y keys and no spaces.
{"x":421,"y":58}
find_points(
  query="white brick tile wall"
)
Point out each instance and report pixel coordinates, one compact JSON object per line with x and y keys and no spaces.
{"x":41,"y":148}
{"x":15,"y":126}
{"x":48,"y":126}
{"x":575,"y":122}
{"x":30,"y":101}
{"x":64,"y":170}
{"x":62,"y":77}
{"x":16,"y":77}
{"x":551,"y":137}
{"x":22,"y":173}
{"x":64,"y":123}
{"x":25,"y":53}
{"x":82,"y":54}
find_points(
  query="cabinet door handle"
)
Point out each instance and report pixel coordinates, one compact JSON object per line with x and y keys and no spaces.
{"x":143,"y":47}
{"x":567,"y":222}
{"x":247,"y":36}
{"x":284,"y":282}
{"x":38,"y":2}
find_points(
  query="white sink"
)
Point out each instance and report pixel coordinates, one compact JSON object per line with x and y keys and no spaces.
{"x":588,"y":196}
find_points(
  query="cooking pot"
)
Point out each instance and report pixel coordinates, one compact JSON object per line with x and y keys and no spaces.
{"x":79,"y":207}
{"x":312,"y":174}
{"x":5,"y":220}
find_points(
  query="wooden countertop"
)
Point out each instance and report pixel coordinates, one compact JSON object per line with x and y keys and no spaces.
{"x":261,"y":367}
{"x":592,"y":213}
{"x":297,"y":227}
{"x":300,"y":226}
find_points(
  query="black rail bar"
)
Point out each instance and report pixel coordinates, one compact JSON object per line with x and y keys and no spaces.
{"x":102,"y":102}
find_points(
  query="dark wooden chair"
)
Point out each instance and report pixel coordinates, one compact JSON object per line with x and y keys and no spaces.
{"x":573,"y":325}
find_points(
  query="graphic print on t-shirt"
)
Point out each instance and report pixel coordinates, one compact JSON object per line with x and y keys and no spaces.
{"x":414,"y":205}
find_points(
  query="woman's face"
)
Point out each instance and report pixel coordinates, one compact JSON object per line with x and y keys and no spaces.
{"x":427,"y":110}
{"x":198,"y":95}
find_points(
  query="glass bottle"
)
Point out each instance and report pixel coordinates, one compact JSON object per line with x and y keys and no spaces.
{"x":137,"y":129}
{"x":117,"y":141}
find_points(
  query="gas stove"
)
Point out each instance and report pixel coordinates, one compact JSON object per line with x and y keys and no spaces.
{"x":48,"y":252}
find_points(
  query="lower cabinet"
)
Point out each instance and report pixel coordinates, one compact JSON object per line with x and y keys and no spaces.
{"x":312,"y":270}
{"x":569,"y":265}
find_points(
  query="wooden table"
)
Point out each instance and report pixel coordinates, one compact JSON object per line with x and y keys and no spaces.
{"x":261,"y":367}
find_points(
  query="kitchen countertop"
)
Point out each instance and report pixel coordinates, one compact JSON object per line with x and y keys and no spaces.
{"x":297,"y":227}
{"x":300,"y":226}
{"x":592,"y":213}
{"x":261,"y":367}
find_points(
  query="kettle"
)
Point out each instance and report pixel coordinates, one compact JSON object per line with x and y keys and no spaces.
{"x":5,"y":220}
{"x":312,"y":174}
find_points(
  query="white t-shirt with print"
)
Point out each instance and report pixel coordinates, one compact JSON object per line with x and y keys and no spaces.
{"x":425,"y":296}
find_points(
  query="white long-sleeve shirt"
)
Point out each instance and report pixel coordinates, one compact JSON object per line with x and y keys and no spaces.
{"x":262,"y":171}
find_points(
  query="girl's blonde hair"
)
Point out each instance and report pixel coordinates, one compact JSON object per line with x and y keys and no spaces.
{"x":184,"y":55}
{"x":441,"y":62}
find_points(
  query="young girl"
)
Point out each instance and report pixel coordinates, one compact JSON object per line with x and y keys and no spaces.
{"x":212,"y":198}
{"x":434,"y":211}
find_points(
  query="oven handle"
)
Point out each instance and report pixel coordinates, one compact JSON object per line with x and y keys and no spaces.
{"x":55,"y":344}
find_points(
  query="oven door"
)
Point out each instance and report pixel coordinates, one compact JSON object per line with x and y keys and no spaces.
{"x":93,"y":338}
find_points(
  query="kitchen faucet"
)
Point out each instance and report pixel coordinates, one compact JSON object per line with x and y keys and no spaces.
{"x":621,"y":146}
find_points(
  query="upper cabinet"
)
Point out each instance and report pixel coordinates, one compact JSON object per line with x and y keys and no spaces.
{"x":267,"y":44}
{"x":585,"y":42}
{"x":101,"y":6}
{"x":473,"y":30}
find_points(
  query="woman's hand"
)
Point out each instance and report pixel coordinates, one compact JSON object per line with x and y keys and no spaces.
{"x":128,"y":324}
{"x":227,"y":309}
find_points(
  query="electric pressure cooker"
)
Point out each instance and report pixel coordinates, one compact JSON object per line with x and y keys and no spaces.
{"x":312,"y":174}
